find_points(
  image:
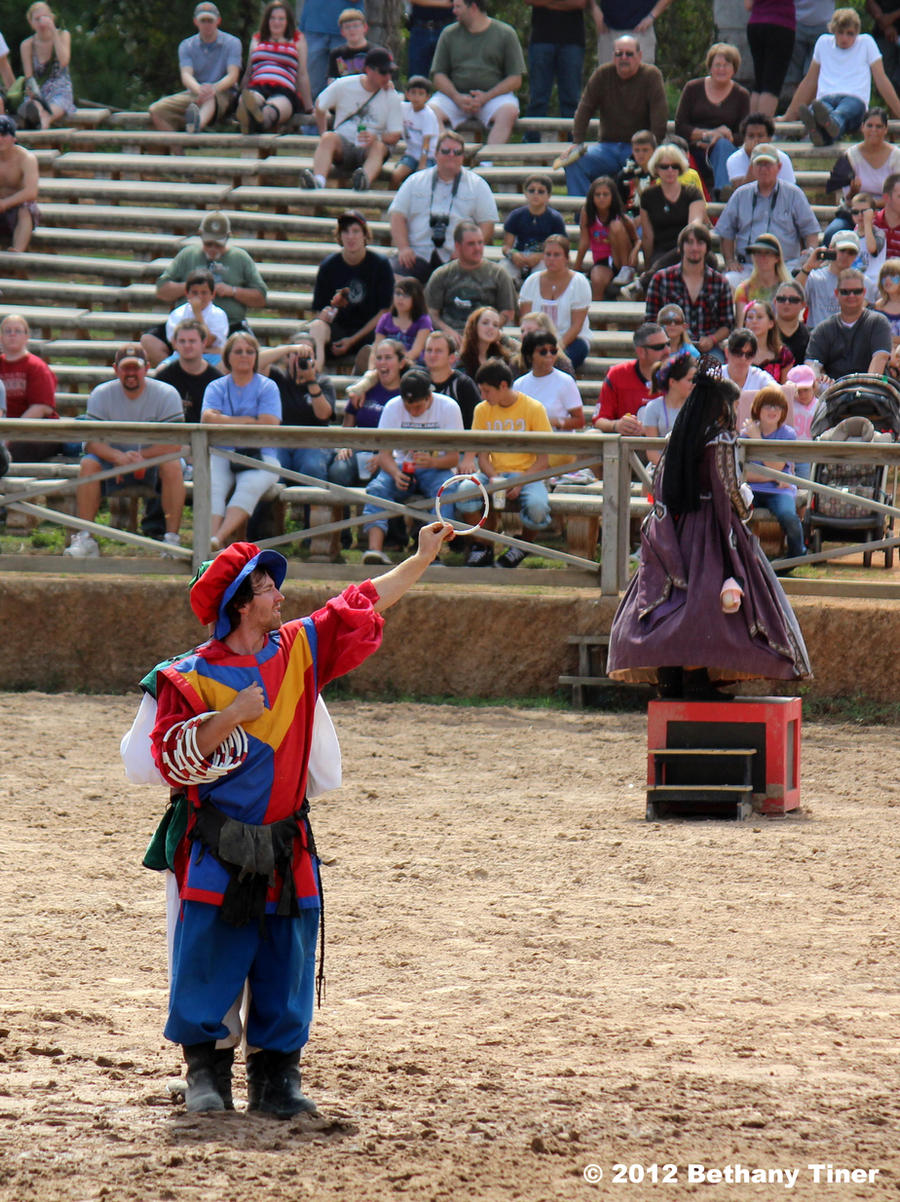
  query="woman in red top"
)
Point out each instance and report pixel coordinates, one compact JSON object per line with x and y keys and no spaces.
{"x":276,"y":85}
{"x":30,"y":387}
{"x":771,"y":354}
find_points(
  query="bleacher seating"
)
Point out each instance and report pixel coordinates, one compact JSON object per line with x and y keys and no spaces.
{"x":119,"y":200}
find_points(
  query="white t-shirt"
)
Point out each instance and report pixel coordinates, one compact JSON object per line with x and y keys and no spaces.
{"x":559,"y":309}
{"x":214,"y":318}
{"x":557,"y":392}
{"x":738,"y":164}
{"x":756,"y":379}
{"x":473,"y":200}
{"x":382,"y":113}
{"x":846,"y":72}
{"x":417,"y":127}
{"x":442,"y":414}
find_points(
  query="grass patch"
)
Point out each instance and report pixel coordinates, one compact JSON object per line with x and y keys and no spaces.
{"x":857,"y":710}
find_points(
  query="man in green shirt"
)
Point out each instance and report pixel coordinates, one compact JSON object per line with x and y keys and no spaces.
{"x":477,"y":70}
{"x":239,"y":286}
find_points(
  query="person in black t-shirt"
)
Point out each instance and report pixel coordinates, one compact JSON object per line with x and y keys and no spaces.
{"x":354,"y":287}
{"x":555,"y":51}
{"x":306,"y":400}
{"x":441,"y":350}
{"x":189,"y":373}
{"x":349,"y":57}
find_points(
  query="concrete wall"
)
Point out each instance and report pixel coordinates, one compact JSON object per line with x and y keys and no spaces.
{"x":101,"y":634}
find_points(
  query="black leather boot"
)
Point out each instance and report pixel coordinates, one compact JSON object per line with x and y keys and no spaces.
{"x":223,"y":1059}
{"x":273,"y":1085}
{"x":202,"y":1089}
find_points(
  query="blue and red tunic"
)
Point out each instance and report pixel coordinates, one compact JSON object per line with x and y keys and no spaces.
{"x":296,"y":662}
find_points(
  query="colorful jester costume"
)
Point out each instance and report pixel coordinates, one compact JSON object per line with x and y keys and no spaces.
{"x":246,"y":865}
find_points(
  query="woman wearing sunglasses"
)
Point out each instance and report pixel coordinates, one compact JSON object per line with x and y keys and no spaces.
{"x":740,"y":351}
{"x":789,"y":303}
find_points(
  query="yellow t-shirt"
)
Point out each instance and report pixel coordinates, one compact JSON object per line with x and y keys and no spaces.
{"x":524,"y":415}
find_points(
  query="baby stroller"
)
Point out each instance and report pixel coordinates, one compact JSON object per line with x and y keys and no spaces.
{"x":857,"y":408}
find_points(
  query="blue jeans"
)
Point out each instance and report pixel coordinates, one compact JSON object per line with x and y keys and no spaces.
{"x":548,"y":61}
{"x":318,"y":47}
{"x":606,"y":158}
{"x":782,"y":504}
{"x":311,"y":461}
{"x":805,"y":39}
{"x":426,"y":481}
{"x":840,"y":221}
{"x":847,"y":111}
{"x":577,"y":351}
{"x":420,"y":48}
{"x":534,"y":501}
{"x":717,"y":158}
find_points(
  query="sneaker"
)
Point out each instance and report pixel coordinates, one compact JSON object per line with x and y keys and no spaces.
{"x":373,"y":556}
{"x":359,"y":181}
{"x":170,"y":539}
{"x":307,"y":179}
{"x":624,"y":276}
{"x":808,"y":117}
{"x":192,"y":119}
{"x":511,"y":558}
{"x":633,"y":291}
{"x":29,"y":115}
{"x":82,"y":546}
{"x":480,"y":557}
{"x":825,"y":119}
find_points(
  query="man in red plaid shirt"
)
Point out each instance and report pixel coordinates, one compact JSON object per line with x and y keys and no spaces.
{"x":703,"y":293}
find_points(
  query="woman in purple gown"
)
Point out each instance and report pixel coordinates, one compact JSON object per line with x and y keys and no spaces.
{"x":672,"y":627}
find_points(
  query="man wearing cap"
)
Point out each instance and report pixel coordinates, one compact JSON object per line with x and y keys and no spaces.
{"x":402,"y":473}
{"x":477,"y":69}
{"x":702,"y":293}
{"x":18,"y":189}
{"x":233,"y":731}
{"x":755,"y":128}
{"x":354,"y":287}
{"x":430,"y":204}
{"x":819,"y":276}
{"x":769,"y":205}
{"x":368,"y":120}
{"x":239,"y":286}
{"x":130,"y":397}
{"x":210,"y":65}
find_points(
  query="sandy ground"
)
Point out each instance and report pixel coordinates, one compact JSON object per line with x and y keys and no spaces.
{"x":527,"y":981}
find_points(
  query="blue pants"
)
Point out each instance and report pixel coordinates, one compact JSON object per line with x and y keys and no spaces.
{"x":311,"y":461}
{"x":420,"y":49}
{"x":783,"y":506}
{"x":847,"y":111}
{"x":534,"y":501}
{"x":713,"y":162}
{"x":549,"y":61}
{"x":606,"y":158}
{"x":426,"y":481}
{"x":210,"y":962}
{"x":577,"y":351}
{"x":318,"y":48}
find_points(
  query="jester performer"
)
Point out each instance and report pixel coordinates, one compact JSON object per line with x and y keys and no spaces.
{"x":233,"y":730}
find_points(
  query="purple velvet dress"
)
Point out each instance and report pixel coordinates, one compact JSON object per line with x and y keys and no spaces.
{"x":671,"y":614}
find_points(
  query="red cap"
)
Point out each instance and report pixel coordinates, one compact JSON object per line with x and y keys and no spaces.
{"x":220,"y":579}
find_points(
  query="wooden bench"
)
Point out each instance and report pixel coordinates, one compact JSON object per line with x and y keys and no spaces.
{"x":74,"y":188}
{"x":587,"y":676}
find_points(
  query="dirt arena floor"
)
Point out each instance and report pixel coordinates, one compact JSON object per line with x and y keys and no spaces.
{"x":529,"y":985}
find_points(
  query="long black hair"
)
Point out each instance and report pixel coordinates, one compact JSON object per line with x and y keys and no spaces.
{"x":708,"y":411}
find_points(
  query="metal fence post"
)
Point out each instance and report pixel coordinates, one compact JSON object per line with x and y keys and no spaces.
{"x":201,"y":496}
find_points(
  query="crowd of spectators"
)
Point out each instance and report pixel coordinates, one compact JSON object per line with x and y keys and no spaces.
{"x":426,"y":325}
